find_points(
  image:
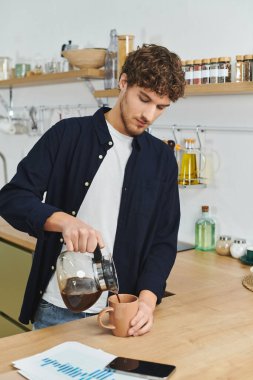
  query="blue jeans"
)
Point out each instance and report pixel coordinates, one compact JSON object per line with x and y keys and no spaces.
{"x":48,"y":314}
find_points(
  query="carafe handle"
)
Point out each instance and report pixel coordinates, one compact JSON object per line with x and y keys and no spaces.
{"x":97,"y":255}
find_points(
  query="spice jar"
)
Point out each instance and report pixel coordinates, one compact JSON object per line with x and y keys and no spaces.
{"x":214,"y":70}
{"x":248,"y":63}
{"x":197,"y":71}
{"x":223,"y":245}
{"x":189,"y":71}
{"x":183,"y":66}
{"x":205,"y":71}
{"x":240,"y":69}
{"x":224,"y":72}
{"x":238,"y":248}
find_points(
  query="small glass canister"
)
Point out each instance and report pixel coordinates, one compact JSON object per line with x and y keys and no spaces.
{"x":214,"y":70}
{"x":240,"y":69}
{"x":125,"y":46}
{"x":197,"y":71}
{"x":224,"y":73}
{"x":205,"y":71}
{"x":238,"y":248}
{"x":183,"y":66}
{"x":189,"y":71}
{"x":248,"y":62}
{"x":223,"y":245}
{"x":5,"y":69}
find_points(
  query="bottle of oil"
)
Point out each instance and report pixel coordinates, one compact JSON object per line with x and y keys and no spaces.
{"x":205,"y":231}
{"x":188,"y":174}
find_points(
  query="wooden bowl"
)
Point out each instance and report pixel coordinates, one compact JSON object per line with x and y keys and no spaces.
{"x":86,"y":58}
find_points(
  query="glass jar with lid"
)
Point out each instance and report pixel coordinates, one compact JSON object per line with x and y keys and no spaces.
{"x":5,"y":68}
{"x":214,"y":70}
{"x":223,"y":245}
{"x":248,"y":63}
{"x":238,"y":248}
{"x":183,"y":66}
{"x":197,"y":71}
{"x":240,"y":69}
{"x":224,"y":72}
{"x":189,"y":71}
{"x":205,"y":71}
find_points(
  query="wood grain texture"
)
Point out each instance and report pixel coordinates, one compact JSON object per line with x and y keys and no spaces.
{"x":11,"y":235}
{"x":62,"y":77}
{"x":205,"y":329}
{"x":232,"y":88}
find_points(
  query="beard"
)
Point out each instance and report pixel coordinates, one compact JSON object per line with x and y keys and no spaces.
{"x":130,"y":123}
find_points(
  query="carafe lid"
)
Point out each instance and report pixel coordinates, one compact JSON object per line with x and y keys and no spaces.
{"x":107,"y":277}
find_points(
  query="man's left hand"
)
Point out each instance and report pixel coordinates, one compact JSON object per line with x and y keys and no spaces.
{"x":143,"y":321}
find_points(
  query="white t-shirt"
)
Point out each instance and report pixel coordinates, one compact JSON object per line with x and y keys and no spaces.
{"x":100,"y":207}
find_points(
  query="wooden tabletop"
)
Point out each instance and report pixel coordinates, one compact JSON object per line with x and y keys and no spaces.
{"x":205,"y":329}
{"x":11,"y":235}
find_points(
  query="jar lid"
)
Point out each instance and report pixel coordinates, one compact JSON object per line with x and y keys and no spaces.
{"x":189,"y":62}
{"x":197,"y":61}
{"x":183,"y":63}
{"x":248,"y":56}
{"x":214,"y":60}
{"x":125,"y":36}
{"x":240,"y":241}
{"x":239,"y":57}
{"x":225,"y":237}
{"x":224,"y":59}
{"x":206,"y":60}
{"x":189,"y":140}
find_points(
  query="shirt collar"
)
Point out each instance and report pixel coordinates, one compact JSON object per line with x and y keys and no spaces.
{"x":103,"y":134}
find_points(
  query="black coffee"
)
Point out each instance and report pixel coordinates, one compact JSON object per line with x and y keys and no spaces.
{"x":80,"y":294}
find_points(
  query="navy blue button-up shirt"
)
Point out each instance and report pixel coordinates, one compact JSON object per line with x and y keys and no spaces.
{"x":61,"y":166}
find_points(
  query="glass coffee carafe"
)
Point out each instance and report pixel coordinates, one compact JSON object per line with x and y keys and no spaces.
{"x":82,"y":277}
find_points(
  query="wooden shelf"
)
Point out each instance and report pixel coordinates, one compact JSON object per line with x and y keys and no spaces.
{"x":71,"y":76}
{"x":53,"y":78}
{"x":106,"y":93}
{"x":232,"y":88}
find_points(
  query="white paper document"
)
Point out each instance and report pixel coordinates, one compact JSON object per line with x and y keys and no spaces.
{"x":69,"y":360}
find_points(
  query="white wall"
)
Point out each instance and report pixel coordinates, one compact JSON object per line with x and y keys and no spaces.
{"x":193,"y":29}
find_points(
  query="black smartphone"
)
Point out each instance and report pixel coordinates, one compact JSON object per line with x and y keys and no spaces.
{"x":149,"y":370}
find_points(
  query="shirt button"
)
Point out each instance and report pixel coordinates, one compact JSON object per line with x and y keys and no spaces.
{"x":86,"y":184}
{"x":52,"y":267}
{"x":110,"y":143}
{"x":100,"y":156}
{"x":73,"y":212}
{"x":41,"y":292}
{"x":61,"y":240}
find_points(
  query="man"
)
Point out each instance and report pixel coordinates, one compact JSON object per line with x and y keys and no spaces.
{"x":106,"y":181}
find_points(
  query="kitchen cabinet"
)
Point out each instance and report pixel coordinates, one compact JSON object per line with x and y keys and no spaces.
{"x":8,"y":328}
{"x":14,"y":270}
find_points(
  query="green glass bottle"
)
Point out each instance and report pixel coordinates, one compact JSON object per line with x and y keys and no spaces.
{"x":205,"y":231}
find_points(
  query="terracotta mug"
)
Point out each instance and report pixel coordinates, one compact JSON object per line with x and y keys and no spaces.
{"x":120,"y":314}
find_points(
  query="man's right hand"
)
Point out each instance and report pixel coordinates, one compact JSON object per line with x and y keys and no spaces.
{"x":77,"y":235}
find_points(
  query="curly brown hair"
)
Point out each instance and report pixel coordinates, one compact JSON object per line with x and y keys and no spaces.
{"x":156,"y":68}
